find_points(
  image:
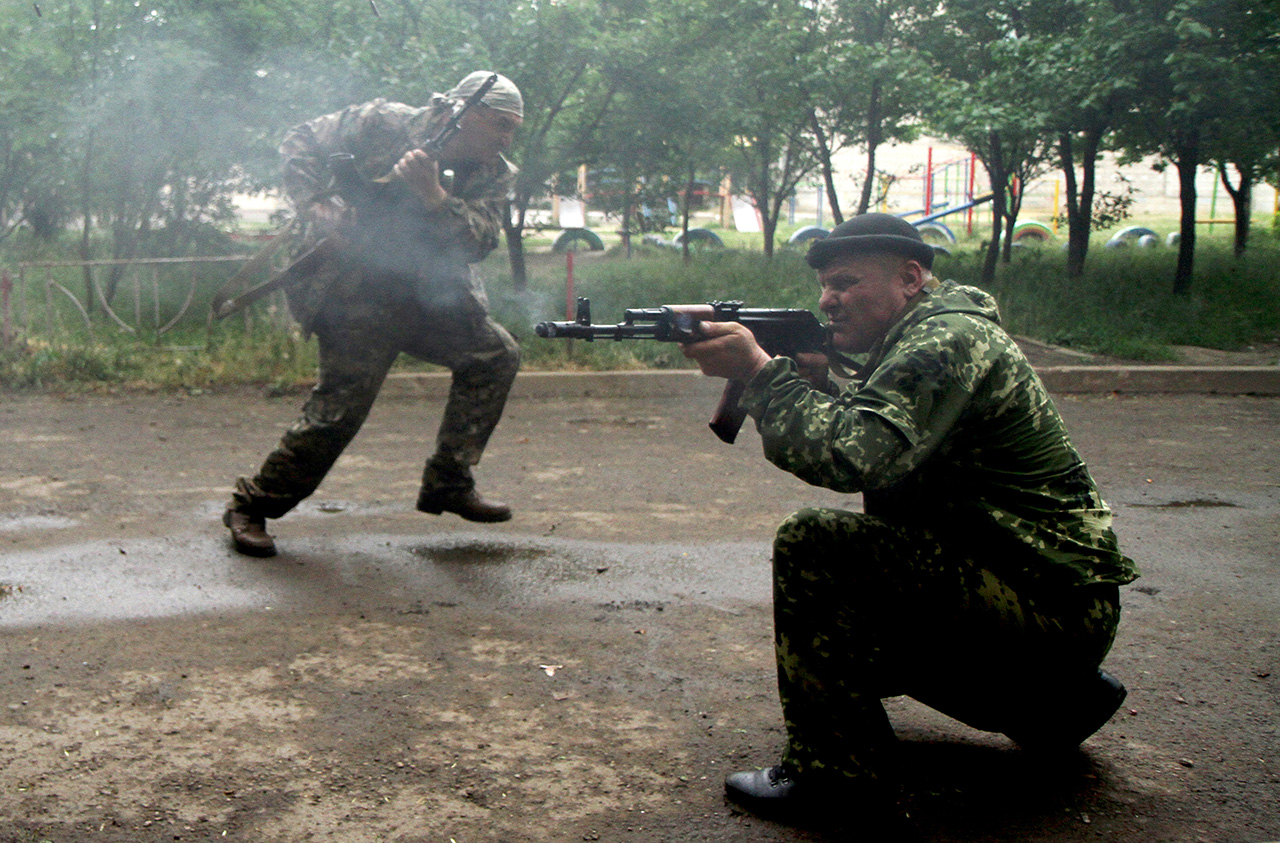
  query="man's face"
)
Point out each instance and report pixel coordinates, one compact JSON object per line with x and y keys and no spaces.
{"x":863,"y":295}
{"x":483,"y":134}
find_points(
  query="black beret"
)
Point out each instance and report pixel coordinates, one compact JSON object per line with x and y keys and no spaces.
{"x":869,"y":233}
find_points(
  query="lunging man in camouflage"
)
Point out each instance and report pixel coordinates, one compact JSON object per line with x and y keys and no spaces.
{"x":982,"y":579}
{"x":395,"y":277}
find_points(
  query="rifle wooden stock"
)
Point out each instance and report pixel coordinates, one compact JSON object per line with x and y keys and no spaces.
{"x":729,"y":415}
{"x":311,"y":260}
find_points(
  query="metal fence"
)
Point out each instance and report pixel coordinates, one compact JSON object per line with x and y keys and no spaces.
{"x":35,"y":300}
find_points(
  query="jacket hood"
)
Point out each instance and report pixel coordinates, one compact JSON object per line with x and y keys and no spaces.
{"x":949,"y":297}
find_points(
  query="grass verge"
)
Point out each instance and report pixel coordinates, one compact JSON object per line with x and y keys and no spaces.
{"x":1123,"y":307}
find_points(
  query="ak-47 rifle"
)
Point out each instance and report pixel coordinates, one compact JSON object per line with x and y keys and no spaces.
{"x":372,"y":204}
{"x":779,"y":331}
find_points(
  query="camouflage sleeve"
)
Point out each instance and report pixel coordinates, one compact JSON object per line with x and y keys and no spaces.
{"x":304,"y":172}
{"x":815,"y":436}
{"x":875,"y":434}
{"x":306,"y":147}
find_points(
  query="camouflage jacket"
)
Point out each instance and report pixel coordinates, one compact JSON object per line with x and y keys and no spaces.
{"x":949,"y":428}
{"x":377,"y":133}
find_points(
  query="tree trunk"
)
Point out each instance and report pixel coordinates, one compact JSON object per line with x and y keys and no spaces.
{"x":514,"y":232}
{"x":684,"y":216}
{"x":999,"y":183}
{"x":763,"y":205}
{"x":874,"y":136}
{"x":627,"y":212}
{"x":1188,"y":160}
{"x":769,"y":224}
{"x":1079,"y":196}
{"x":828,"y":172}
{"x":997,"y":223}
{"x":86,"y":227}
{"x":1242,"y":201}
{"x":1075,"y":248}
{"x":1013,"y":200}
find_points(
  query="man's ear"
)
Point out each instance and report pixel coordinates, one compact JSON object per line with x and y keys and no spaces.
{"x":913,"y":277}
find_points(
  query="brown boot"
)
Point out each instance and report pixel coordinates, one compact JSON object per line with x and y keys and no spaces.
{"x":249,"y":533}
{"x":466,"y":503}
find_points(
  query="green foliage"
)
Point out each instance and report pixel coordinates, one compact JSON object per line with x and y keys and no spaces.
{"x":32,"y":364}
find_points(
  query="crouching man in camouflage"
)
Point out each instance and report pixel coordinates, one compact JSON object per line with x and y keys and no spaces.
{"x":395,"y":277}
{"x":982,"y":579}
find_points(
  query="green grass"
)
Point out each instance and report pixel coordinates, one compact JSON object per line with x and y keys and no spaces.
{"x":1123,"y":306}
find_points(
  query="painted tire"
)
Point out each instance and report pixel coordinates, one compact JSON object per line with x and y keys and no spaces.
{"x":935,"y":233}
{"x":1032,"y":232}
{"x":808,"y":232}
{"x":578,"y":240}
{"x":699,"y":237}
{"x":1130,"y":236}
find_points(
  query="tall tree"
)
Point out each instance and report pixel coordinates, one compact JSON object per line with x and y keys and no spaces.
{"x":31,"y":133}
{"x":668,"y":126}
{"x":871,"y":91}
{"x":987,"y":102}
{"x":772,"y":72}
{"x":553,"y":51}
{"x":1243,"y":53}
{"x":1084,"y":78}
{"x":1186,"y":63}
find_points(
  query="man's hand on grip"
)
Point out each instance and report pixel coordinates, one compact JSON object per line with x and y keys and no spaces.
{"x":421,"y":175}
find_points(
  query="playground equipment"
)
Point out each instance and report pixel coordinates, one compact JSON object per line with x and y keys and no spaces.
{"x":954,"y":180}
{"x":577,"y":240}
{"x":1133,"y":235}
{"x":807,"y":233}
{"x":698,"y":237}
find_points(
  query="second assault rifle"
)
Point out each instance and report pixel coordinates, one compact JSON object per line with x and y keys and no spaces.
{"x":779,"y":331}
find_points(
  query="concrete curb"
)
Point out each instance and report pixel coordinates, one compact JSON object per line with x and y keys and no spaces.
{"x":1130,"y":380}
{"x":1211,"y":380}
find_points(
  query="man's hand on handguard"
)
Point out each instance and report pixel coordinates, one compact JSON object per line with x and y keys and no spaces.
{"x":421,"y":175}
{"x":726,"y":350}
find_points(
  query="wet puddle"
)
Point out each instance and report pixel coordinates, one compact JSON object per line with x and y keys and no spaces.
{"x":36,"y":522}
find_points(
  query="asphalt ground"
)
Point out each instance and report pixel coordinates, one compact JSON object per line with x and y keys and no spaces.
{"x":587,"y":671}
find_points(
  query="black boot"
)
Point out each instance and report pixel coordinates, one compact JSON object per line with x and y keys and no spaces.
{"x":1072,"y":716}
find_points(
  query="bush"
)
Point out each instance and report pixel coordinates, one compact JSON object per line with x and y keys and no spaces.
{"x":31,"y":364}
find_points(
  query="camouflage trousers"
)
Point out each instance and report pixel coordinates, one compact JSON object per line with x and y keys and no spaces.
{"x":867,"y":608}
{"x":356,"y":351}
